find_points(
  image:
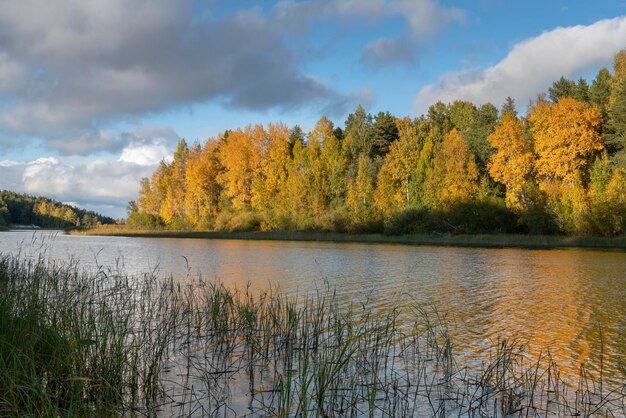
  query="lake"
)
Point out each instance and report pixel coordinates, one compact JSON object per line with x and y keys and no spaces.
{"x":556,"y":301}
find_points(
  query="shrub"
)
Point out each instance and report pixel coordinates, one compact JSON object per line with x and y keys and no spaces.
{"x":142,"y":220}
{"x":238,"y":222}
{"x":479,"y":217}
{"x":415,"y":221}
{"x":488,"y":216}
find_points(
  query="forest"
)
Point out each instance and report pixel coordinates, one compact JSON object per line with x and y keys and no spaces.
{"x":24,"y":209}
{"x":461,"y":168}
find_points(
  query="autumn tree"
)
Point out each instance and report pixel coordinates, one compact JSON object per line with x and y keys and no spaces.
{"x":618,"y":78}
{"x":394,"y":184}
{"x":566,"y":136}
{"x":172,"y":204}
{"x":462,"y":115}
{"x":360,"y":199}
{"x":357,"y":138}
{"x":454,"y":175}
{"x":512,"y":162}
{"x":147,"y":200}
{"x":161,"y":182}
{"x":240,"y":155}
{"x":332,"y":163}
{"x":202,"y":190}
{"x":303,"y":201}
{"x":607,"y":198}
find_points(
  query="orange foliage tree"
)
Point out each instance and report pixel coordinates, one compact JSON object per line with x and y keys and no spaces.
{"x":454,"y":175}
{"x":567,"y":137}
{"x":512,"y":163}
{"x":240,"y":155}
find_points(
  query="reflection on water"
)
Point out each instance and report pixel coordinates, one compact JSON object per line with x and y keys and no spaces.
{"x":559,"y":301}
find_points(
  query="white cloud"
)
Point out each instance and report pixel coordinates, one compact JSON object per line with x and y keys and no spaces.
{"x":148,"y":145}
{"x":87,"y":183}
{"x":144,"y":154}
{"x":532,"y":65}
{"x":70,"y":67}
{"x":105,"y":185}
{"x":9,"y":163}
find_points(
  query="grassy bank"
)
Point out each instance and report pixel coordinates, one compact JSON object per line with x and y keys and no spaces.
{"x":485,"y":241}
{"x":101,"y":343}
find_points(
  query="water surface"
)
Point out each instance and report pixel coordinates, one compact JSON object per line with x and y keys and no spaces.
{"x":563,"y":301}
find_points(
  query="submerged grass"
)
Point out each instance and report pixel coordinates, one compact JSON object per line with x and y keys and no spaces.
{"x":101,"y":343}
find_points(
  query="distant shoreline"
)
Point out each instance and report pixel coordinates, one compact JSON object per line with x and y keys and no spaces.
{"x":480,"y":241}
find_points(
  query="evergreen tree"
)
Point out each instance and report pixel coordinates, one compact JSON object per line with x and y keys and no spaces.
{"x":295,"y":134}
{"x":438,"y":114}
{"x":581,"y":91}
{"x":339,"y":134}
{"x":600,"y":91}
{"x":384,"y":133}
{"x":508,"y":107}
{"x":562,"y":88}
{"x":485,"y":119}
{"x":615,"y":133}
{"x":615,"y":129}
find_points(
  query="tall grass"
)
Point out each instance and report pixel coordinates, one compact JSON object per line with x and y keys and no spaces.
{"x":86,"y":343}
{"x":76,"y":342}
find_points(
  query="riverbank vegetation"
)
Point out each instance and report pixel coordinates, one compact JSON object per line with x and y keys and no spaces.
{"x":458,"y":240}
{"x":24,"y":209}
{"x":77,"y":342}
{"x":460,"y":169}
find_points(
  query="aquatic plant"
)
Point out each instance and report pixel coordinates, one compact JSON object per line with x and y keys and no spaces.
{"x":77,"y":342}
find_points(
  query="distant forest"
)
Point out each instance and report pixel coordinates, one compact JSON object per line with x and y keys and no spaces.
{"x":23,"y":209}
{"x":461,"y":168}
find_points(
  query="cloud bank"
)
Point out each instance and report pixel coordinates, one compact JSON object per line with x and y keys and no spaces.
{"x":421,"y":19}
{"x":104,"y":185}
{"x":68,"y":68}
{"x":532,"y":65}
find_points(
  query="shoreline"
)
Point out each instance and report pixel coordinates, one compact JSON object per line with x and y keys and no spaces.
{"x":477,"y":241}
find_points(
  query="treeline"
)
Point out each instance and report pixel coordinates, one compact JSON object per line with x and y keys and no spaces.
{"x":461,"y":168}
{"x":24,"y":209}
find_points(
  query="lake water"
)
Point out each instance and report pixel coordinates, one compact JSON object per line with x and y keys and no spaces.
{"x":555,"y":300}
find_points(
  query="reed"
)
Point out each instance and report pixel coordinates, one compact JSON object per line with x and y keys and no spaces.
{"x":77,"y":342}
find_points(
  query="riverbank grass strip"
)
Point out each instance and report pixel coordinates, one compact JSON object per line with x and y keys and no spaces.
{"x":481,"y":241}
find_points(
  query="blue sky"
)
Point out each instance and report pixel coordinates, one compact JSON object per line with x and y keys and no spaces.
{"x":93,"y":94}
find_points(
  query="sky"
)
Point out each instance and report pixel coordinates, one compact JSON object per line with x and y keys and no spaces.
{"x":94,"y":94}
